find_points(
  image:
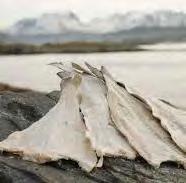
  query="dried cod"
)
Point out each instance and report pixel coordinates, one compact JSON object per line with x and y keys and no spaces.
{"x":59,"y":134}
{"x":118,"y":121}
{"x":95,"y":71}
{"x":172,"y":119}
{"x":105,"y":139}
{"x":142,"y":130}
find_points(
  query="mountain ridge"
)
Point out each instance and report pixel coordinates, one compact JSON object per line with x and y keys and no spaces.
{"x":67,"y":26}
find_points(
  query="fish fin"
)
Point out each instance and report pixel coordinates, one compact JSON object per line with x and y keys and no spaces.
{"x":95,"y":71}
{"x":79,"y":68}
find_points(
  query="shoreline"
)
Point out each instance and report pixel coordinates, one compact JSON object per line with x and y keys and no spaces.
{"x":71,"y":47}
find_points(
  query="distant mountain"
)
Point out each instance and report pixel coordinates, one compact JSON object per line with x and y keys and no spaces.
{"x":132,"y":26}
{"x":47,"y":24}
{"x":131,"y":20}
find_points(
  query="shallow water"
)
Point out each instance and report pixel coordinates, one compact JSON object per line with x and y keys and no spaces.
{"x":160,"y":73}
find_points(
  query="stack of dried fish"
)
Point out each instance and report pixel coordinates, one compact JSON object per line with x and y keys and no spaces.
{"x":96,"y":117}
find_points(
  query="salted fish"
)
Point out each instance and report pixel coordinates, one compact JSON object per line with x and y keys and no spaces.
{"x":96,"y":72}
{"x":172,"y":119}
{"x":104,"y":138}
{"x":142,"y":130}
{"x":59,"y":134}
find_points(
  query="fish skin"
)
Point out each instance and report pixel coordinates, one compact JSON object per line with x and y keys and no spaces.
{"x":79,"y":68}
{"x":96,"y":72}
{"x":138,"y":125}
{"x":147,"y":135}
{"x":58,"y":65}
{"x":172,"y":119}
{"x":64,"y":75}
{"x":59,"y":134}
{"x":104,"y":138}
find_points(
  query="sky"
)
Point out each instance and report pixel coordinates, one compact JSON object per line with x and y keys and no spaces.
{"x":13,"y":10}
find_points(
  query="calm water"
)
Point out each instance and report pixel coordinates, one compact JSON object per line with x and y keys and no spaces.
{"x":161,"y":73}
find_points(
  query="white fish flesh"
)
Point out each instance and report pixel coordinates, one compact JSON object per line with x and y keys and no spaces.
{"x":105,"y":139}
{"x":172,"y":119}
{"x":59,"y":134}
{"x":138,"y":125}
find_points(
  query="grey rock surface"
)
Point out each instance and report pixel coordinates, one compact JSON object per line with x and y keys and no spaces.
{"x":20,"y":110}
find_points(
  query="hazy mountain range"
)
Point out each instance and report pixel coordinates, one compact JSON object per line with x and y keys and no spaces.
{"x":133,"y":26}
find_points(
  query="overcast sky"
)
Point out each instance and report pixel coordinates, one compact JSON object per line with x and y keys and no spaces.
{"x":12,"y":10}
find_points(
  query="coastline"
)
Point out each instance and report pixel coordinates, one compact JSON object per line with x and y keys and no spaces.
{"x":70,"y":47}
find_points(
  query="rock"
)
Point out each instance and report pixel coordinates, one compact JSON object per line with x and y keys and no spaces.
{"x":54,"y":95}
{"x":20,"y":110}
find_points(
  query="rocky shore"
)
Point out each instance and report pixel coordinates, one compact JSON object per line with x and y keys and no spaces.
{"x":18,"y":110}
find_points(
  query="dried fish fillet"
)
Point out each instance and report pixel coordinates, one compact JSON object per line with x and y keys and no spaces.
{"x":105,"y":139}
{"x":64,"y":74}
{"x":118,"y":121}
{"x":63,"y":67}
{"x":142,"y":130}
{"x":59,"y":134}
{"x":79,"y":69}
{"x":95,"y":71}
{"x":172,"y":119}
{"x":58,"y":65}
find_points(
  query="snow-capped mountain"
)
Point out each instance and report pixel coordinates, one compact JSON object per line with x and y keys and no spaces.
{"x":69,"y":22}
{"x":119,"y":22}
{"x":67,"y":27}
{"x":47,"y":24}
